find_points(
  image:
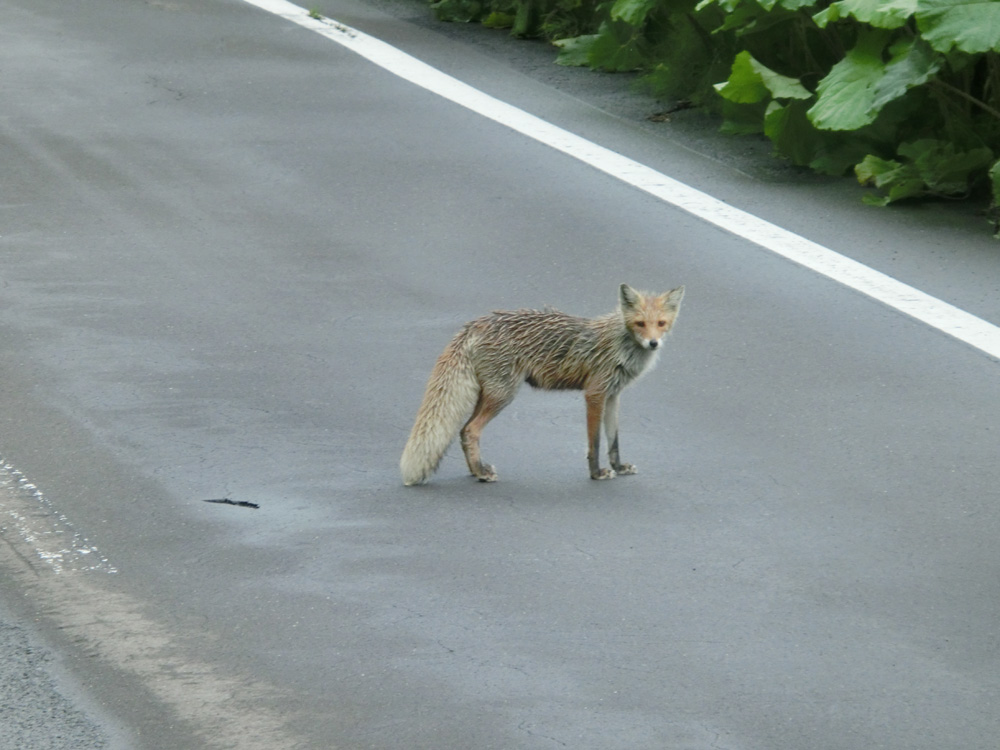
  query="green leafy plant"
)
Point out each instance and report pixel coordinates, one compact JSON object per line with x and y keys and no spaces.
{"x":928,"y":167}
{"x":915,"y":90}
{"x":904,"y":93}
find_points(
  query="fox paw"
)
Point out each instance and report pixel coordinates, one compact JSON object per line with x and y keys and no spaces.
{"x":486,"y":473}
{"x":604,"y":474}
{"x":626,"y":469}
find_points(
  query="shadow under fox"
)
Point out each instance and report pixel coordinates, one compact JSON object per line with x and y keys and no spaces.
{"x":482,"y":368}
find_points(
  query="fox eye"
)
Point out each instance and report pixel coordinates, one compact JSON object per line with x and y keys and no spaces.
{"x":640,"y":324}
{"x":662,"y":323}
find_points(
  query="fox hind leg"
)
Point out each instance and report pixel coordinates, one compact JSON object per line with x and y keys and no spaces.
{"x":487,"y":407}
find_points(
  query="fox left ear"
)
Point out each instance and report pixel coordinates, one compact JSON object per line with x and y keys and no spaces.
{"x":673,"y":298}
{"x":628,"y":296}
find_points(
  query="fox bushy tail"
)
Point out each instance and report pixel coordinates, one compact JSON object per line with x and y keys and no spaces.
{"x":451,"y":395}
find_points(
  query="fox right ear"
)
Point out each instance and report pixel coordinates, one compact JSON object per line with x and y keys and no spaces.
{"x":628,"y":296}
{"x":673,"y":297}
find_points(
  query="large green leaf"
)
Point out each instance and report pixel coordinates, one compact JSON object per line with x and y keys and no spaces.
{"x":859,"y":86}
{"x":727,"y":5}
{"x":847,"y":93}
{"x":615,"y":50}
{"x":786,"y":4}
{"x":946,"y":170}
{"x":793,"y":136}
{"x":632,"y":12}
{"x":993,"y":213}
{"x":740,"y":20}
{"x":612,"y":48}
{"x":968,"y":25}
{"x":874,"y":170}
{"x":458,"y":11}
{"x":498,"y":20}
{"x":750,"y":81}
{"x":931,"y":167}
{"x":912,"y":63}
{"x":884,"y":14}
{"x":898,"y":180}
{"x":575,"y":52}
{"x":742,"y":119}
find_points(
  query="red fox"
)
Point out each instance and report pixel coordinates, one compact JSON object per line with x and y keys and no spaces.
{"x":482,"y":368}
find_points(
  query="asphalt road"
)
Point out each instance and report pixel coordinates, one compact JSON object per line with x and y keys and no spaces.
{"x":230,"y":251}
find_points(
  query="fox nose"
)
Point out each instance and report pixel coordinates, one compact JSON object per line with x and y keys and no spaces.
{"x":653,"y":343}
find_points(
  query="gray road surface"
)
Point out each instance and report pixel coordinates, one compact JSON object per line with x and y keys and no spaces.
{"x":229,"y":253}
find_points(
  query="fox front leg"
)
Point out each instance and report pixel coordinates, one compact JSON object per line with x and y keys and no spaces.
{"x":595,"y":414}
{"x":611,"y":430}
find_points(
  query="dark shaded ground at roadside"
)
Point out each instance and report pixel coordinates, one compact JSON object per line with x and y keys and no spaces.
{"x":38,"y":710}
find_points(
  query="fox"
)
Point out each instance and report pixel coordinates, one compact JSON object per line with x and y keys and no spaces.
{"x":484,"y":365}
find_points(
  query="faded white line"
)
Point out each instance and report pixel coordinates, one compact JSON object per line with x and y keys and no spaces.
{"x":68,"y":584}
{"x":25,"y":511}
{"x":928,"y":309}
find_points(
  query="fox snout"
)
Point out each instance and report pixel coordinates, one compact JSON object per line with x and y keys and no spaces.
{"x":646,"y":339}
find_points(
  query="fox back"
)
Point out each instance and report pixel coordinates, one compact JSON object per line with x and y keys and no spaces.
{"x":555,"y":351}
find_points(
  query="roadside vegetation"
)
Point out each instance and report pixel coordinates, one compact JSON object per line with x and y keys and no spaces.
{"x":903,"y":93}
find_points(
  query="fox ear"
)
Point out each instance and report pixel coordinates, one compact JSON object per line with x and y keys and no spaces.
{"x":673,"y":298}
{"x":628,"y":296}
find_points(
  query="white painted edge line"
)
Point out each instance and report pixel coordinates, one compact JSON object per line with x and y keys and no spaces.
{"x":917,"y":304}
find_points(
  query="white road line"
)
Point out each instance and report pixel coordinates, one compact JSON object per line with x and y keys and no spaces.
{"x":913,"y":302}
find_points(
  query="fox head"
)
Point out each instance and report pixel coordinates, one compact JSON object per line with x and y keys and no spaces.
{"x":649,"y":317}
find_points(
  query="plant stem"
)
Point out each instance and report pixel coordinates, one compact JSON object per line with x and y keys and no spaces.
{"x":968,"y":97}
